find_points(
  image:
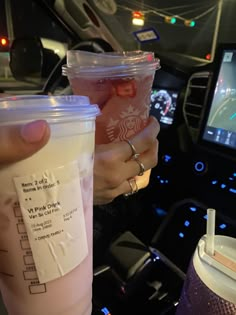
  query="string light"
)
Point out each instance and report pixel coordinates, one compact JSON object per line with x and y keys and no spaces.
{"x":137,"y":18}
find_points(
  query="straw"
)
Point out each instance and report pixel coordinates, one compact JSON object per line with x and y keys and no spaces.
{"x":210,"y":234}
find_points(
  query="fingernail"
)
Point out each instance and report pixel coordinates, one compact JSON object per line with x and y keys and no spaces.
{"x":34,"y":131}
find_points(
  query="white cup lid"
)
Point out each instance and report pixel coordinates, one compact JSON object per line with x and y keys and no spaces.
{"x":216,"y":273}
{"x":54,"y":109}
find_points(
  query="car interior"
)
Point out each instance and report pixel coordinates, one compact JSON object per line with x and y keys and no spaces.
{"x":143,"y":244}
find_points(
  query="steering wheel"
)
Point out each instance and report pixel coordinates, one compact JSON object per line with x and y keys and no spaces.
{"x":57,"y":79}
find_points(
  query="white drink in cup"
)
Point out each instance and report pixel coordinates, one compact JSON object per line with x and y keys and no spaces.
{"x":210,"y":285}
{"x":46,"y":205}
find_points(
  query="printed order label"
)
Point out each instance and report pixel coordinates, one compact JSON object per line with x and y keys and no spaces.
{"x":52,"y":208}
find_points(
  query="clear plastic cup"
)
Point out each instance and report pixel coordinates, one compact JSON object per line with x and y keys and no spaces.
{"x":210,"y":285}
{"x":120,"y":83}
{"x":46,"y":203}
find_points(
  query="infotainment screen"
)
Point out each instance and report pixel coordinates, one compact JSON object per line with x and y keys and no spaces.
{"x":220,"y":121}
{"x":163,"y":105}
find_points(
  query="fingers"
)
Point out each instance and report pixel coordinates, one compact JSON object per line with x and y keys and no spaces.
{"x":143,"y":140}
{"x":18,"y":142}
{"x":135,"y":183}
{"x":143,"y":181}
{"x":111,"y":178}
{"x":128,"y":186}
{"x":149,"y":159}
{"x":114,"y":166}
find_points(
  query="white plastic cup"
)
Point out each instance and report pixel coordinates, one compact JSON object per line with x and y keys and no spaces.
{"x":210,"y":285}
{"x":120,"y":83}
{"x":46,"y":204}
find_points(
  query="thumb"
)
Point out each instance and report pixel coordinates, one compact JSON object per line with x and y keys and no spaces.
{"x":18,"y":142}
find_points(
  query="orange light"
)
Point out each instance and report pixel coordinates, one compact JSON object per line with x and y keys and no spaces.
{"x":208,"y":57}
{"x":137,"y":15}
{"x":3,"y":41}
{"x":137,"y":18}
{"x":189,"y":23}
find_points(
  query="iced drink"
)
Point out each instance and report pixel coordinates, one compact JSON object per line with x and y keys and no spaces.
{"x":120,"y":83}
{"x":210,"y":285}
{"x":46,"y":211}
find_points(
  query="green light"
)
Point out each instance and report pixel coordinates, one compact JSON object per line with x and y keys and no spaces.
{"x":189,"y":23}
{"x":170,"y":19}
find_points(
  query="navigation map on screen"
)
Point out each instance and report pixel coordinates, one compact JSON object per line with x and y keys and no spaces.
{"x":221,"y":123}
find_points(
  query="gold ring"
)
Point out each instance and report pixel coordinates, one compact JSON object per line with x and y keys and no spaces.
{"x":133,"y":186}
{"x":141,"y":166}
{"x":135,"y":155}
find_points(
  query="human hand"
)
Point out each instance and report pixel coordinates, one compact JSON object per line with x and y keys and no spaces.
{"x":113,"y":166}
{"x":18,"y":142}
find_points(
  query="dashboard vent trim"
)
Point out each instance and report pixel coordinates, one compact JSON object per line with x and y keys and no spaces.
{"x":195,"y":100}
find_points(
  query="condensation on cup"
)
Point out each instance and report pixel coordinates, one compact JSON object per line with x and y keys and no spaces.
{"x":46,"y":205}
{"x":120,"y":83}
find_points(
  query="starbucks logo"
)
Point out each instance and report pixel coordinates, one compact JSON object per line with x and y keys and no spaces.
{"x":129,"y":122}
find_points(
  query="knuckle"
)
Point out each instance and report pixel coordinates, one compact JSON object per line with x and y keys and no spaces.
{"x":113,"y":180}
{"x":107,"y":161}
{"x":153,"y":161}
{"x":109,"y":196}
{"x":154,"y":154}
{"x":148,"y":140}
{"x":156,"y":125}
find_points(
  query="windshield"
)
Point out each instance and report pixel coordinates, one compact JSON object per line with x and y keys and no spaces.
{"x":178,"y":28}
{"x":183,"y":32}
{"x":23,"y":21}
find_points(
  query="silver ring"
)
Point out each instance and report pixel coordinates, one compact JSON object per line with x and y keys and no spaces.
{"x":135,"y":155}
{"x":141,"y":166}
{"x":133,"y":186}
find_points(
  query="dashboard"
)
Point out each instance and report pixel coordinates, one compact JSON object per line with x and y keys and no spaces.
{"x":196,"y":168}
{"x":163,"y":105}
{"x":195,"y":171}
{"x":219,"y":126}
{"x":196,"y":165}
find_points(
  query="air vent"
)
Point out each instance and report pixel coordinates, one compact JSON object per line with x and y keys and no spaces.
{"x":195,"y":100}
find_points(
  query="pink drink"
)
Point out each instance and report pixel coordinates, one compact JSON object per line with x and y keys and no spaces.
{"x":67,"y":162}
{"x":124,"y":105}
{"x":69,"y":295}
{"x":120,"y":84}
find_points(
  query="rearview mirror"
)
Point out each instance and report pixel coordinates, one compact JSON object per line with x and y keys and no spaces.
{"x":26,"y":59}
{"x":30,"y":61}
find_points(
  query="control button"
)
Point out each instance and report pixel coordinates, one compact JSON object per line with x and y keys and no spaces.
{"x":162,"y":181}
{"x":105,"y":311}
{"x":193,"y":209}
{"x":187,"y":223}
{"x":223,"y":186}
{"x":223,"y":226}
{"x":167,"y":158}
{"x":200,"y":167}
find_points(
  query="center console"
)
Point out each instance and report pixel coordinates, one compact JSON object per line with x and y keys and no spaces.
{"x":137,"y":280}
{"x":146,"y":277}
